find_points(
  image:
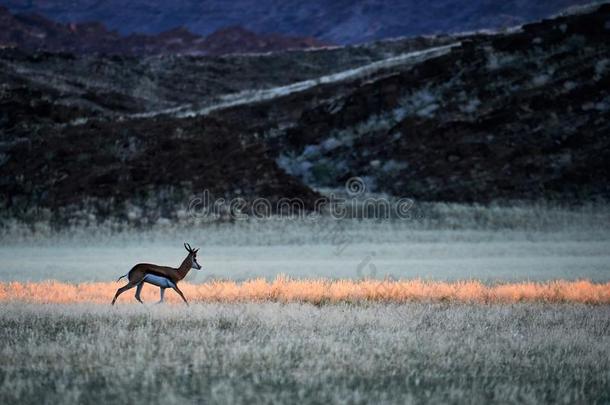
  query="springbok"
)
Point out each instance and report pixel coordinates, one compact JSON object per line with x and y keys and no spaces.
{"x":161,"y":276}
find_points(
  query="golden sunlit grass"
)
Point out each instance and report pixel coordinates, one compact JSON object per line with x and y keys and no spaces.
{"x":320,"y":291}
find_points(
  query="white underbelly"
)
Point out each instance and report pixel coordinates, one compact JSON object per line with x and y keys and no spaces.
{"x":159,"y":281}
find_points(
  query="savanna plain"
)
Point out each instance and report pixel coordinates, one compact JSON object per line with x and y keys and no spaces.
{"x":460,"y":304}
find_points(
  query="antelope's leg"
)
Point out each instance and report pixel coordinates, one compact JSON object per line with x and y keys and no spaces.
{"x":139,"y":290}
{"x":175,"y":287}
{"x":162,"y":290}
{"x":121,"y":290}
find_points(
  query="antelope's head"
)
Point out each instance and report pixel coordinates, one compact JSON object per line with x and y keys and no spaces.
{"x":193,"y":256}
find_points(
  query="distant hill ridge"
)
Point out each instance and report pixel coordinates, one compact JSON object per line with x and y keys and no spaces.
{"x":337,"y":21}
{"x":35,"y":32}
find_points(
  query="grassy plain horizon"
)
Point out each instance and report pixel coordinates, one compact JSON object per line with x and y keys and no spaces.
{"x":472,"y":304}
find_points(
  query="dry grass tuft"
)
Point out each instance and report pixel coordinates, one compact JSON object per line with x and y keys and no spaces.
{"x":320,"y":291}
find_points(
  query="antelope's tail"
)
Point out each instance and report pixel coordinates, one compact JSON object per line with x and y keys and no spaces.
{"x":125,"y":275}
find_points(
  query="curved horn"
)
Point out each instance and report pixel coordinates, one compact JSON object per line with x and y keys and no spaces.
{"x":187,"y":247}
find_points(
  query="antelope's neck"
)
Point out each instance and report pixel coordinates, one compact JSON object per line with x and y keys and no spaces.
{"x":184,"y":268}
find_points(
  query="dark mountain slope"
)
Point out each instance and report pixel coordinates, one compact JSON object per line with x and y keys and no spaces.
{"x":509,"y":116}
{"x":151,"y":167}
{"x":40,"y":87}
{"x":515,"y":115}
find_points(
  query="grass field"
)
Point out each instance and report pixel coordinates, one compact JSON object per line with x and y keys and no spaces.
{"x":300,"y":353}
{"x":466,"y":304}
{"x":319,"y":292}
{"x":450,"y":242}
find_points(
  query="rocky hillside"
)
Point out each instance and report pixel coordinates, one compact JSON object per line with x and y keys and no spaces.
{"x":506,"y":116}
{"x":514,"y":115}
{"x":42,"y":88}
{"x":77,"y":115}
{"x":35,"y":32}
{"x":140,"y":170}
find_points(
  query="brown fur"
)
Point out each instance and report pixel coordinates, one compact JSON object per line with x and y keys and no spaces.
{"x":139,"y":271}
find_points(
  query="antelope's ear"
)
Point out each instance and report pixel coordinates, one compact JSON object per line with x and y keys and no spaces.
{"x":196,"y":250}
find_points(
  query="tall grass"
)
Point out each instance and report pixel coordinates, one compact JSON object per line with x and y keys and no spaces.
{"x":320,"y":291}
